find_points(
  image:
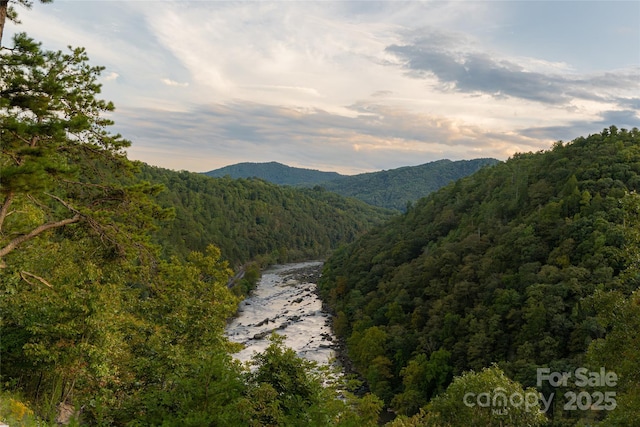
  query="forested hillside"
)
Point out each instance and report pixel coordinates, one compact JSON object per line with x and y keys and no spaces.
{"x":99,"y":325}
{"x":399,"y":188}
{"x":518,"y":264}
{"x":274,"y":172}
{"x":390,"y":189}
{"x":114,"y":302}
{"x":250,"y":219}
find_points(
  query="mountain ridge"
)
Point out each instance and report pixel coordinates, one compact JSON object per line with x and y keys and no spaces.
{"x":392,"y":188}
{"x":274,"y":172}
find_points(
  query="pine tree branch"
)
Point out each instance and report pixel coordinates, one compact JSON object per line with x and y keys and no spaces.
{"x":19,"y":137}
{"x":101,"y":230}
{"x":4,"y":209}
{"x":63,"y":203}
{"x":17,"y":160}
{"x":105,"y":188}
{"x":37,"y":202}
{"x":13,"y":244}
{"x":38,"y":278}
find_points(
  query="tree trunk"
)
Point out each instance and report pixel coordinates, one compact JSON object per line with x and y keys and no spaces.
{"x":4,"y":4}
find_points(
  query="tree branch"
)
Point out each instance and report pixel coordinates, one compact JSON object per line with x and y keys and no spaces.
{"x":20,"y":137}
{"x":40,"y":279}
{"x":4,"y":209}
{"x":65,"y":204}
{"x":15,"y":158}
{"x":13,"y":244}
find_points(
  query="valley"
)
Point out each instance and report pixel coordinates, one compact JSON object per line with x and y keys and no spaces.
{"x":475,"y":292}
{"x":509,"y":271}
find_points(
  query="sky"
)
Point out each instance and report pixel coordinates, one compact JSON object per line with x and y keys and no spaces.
{"x":353,"y":86}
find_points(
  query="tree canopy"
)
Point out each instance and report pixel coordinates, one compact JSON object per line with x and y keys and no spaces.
{"x":251,"y":219}
{"x":99,"y":326}
{"x":108,"y":319}
{"x":496,"y":267}
{"x":56,"y":150}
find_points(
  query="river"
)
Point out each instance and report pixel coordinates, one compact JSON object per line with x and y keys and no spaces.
{"x":285,"y":301}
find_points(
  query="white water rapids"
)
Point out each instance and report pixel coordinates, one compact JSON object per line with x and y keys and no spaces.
{"x":285,"y":302}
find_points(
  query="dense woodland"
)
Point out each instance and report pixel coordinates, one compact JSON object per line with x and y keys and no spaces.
{"x":399,"y":188}
{"x":519,"y":264}
{"x":103,"y":326}
{"x":393,"y":189}
{"x":253,"y":220}
{"x":114,"y":278}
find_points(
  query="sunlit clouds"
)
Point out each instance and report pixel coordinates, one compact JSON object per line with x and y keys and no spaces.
{"x":352,"y":86}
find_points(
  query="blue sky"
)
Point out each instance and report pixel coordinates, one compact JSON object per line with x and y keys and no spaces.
{"x":352,"y":86}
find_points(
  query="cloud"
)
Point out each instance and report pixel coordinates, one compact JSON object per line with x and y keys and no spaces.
{"x":381,"y":94}
{"x":170,"y":82}
{"x":281,"y":53}
{"x":459,"y":66}
{"x":111,"y":76}
{"x":375,"y":137}
{"x":632,"y":103}
{"x":624,"y":119}
{"x":348,"y":86}
{"x":279,"y":88}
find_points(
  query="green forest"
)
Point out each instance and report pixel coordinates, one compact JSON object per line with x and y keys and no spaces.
{"x":113,"y":298}
{"x":399,"y":188}
{"x":394,"y":189}
{"x":253,"y":220}
{"x":115,"y":280}
{"x":532,"y":263}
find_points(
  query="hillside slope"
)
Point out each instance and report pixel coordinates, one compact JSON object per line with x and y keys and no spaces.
{"x":250,"y":219}
{"x":274,"y":172}
{"x":390,"y":189}
{"x":497,"y":267}
{"x":396,"y":188}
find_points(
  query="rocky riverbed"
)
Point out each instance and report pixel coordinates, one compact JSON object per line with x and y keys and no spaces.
{"x":285,"y":302}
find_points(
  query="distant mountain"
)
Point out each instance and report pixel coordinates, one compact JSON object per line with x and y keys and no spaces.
{"x":391,"y":189}
{"x":276,"y":173}
{"x":395,"y":188}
